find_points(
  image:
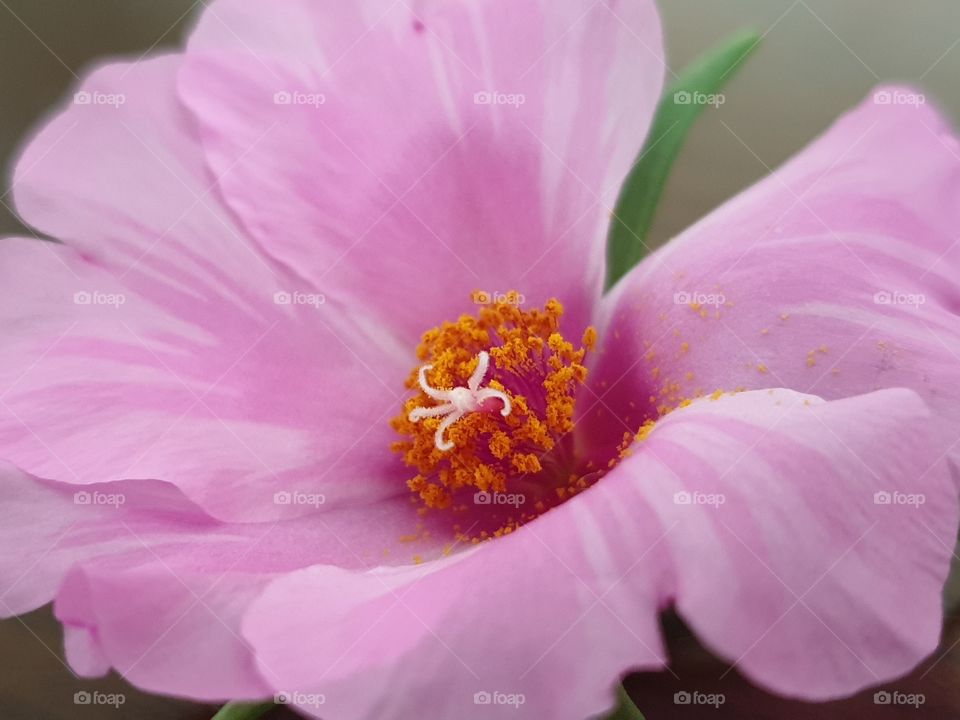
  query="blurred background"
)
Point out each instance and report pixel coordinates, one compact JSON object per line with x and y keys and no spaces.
{"x":818,"y":58}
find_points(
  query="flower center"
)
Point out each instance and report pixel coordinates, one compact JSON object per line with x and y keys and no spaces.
{"x":457,"y":402}
{"x":488,"y":432}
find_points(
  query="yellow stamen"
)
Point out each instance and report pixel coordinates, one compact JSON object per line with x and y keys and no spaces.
{"x":531,"y":364}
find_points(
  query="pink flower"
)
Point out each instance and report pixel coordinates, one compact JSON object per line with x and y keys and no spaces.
{"x":198,"y":383}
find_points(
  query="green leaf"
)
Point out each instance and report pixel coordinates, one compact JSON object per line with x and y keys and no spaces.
{"x":679,"y":108}
{"x":243,"y":711}
{"x":625,"y":710}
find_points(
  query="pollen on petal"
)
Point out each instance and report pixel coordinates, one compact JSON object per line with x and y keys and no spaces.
{"x":590,"y":338}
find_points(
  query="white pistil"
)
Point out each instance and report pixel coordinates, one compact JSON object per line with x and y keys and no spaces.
{"x":459,"y":401}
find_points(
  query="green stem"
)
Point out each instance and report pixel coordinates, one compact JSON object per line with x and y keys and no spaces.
{"x":625,"y":709}
{"x":243,"y":711}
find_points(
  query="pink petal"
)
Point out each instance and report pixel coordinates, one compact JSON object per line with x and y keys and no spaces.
{"x":571,"y":600}
{"x":155,"y":346}
{"x":166,"y":629}
{"x":53,"y":526}
{"x":148,"y":584}
{"x":82,"y":649}
{"x":519,"y":616}
{"x":787,"y":277}
{"x":381,"y":174}
{"x":822,"y":570}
